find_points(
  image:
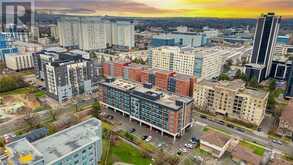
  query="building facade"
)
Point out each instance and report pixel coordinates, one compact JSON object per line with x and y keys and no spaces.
{"x":94,"y":33}
{"x":66,"y":74}
{"x":263,"y":48}
{"x":231,"y":99}
{"x":201,"y":63}
{"x":281,"y":68}
{"x":19,"y":62}
{"x":169,"y":114}
{"x":164,"y":80}
{"x":79,"y":144}
{"x":289,"y":90}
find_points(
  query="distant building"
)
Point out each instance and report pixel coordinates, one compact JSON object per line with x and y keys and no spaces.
{"x":54,"y":31}
{"x":4,"y":52}
{"x":231,"y":99}
{"x":187,"y":39}
{"x":94,"y":33}
{"x":20,"y":61}
{"x":286,"y":121}
{"x":79,"y":144}
{"x":283,"y":40}
{"x":182,"y":29}
{"x":169,"y":114}
{"x":66,"y":74}
{"x":263,"y":48}
{"x":160,"y":40}
{"x":123,"y":34}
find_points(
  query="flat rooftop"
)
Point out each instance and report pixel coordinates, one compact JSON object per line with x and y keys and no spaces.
{"x":231,"y":85}
{"x":23,"y":152}
{"x":216,"y":138}
{"x":153,"y":94}
{"x":68,"y":140}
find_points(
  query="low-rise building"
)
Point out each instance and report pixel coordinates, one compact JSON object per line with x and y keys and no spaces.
{"x":215,"y":143}
{"x":243,"y":155}
{"x":286,"y":121}
{"x":79,"y":144}
{"x":19,"y":61}
{"x":231,"y":99}
{"x":167,"y":113}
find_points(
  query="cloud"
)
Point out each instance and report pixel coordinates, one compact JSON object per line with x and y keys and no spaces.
{"x":116,"y":6}
{"x":191,"y":8}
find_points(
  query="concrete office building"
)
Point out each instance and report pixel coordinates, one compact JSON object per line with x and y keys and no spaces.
{"x":169,"y":114}
{"x":231,"y":99}
{"x":199,"y":62}
{"x":66,"y":74}
{"x":267,"y":29}
{"x":18,"y":62}
{"x":79,"y":144}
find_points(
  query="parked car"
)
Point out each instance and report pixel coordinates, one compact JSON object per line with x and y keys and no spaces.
{"x":184,"y":150}
{"x":131,"y":130}
{"x":230,"y":125}
{"x":149,"y":138}
{"x":203,"y":117}
{"x":240,"y":129}
{"x":277,"y":142}
{"x":144,"y":137}
{"x":190,"y":146}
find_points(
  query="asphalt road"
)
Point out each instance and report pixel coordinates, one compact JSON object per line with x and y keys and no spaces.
{"x":285,"y":148}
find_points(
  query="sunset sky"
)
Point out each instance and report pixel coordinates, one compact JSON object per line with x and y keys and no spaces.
{"x":170,"y":8}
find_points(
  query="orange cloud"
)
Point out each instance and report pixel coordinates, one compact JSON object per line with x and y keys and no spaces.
{"x":172,"y":8}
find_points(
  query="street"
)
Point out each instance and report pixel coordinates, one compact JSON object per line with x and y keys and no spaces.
{"x":285,"y":148}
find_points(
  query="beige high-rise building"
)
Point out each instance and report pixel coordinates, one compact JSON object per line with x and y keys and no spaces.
{"x":231,"y":99}
{"x":19,"y":62}
{"x":199,"y":62}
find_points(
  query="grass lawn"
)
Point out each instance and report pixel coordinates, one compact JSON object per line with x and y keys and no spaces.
{"x":25,"y":90}
{"x":123,"y":152}
{"x":258,"y":150}
{"x":40,"y":94}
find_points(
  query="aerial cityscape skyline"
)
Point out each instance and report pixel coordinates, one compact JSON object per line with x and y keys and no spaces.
{"x":146,"y":82}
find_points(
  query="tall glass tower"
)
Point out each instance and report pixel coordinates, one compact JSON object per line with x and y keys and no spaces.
{"x":265,"y":38}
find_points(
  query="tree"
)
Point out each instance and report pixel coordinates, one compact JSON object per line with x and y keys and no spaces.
{"x":253,"y":82}
{"x":224,"y":77}
{"x":238,"y":74}
{"x":97,"y":109}
{"x":93,"y":54}
{"x":272,"y":85}
{"x":8,"y":83}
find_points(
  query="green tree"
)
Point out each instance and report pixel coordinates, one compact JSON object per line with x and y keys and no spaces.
{"x":97,"y":109}
{"x":253,"y":82}
{"x":272,"y":85}
{"x":238,"y":74}
{"x":9,"y":83}
{"x":224,"y":77}
{"x":93,"y":54}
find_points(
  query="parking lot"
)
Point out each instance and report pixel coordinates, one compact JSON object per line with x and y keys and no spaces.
{"x":166,"y":141}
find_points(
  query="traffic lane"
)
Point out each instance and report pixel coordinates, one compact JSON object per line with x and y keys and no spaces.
{"x":288,"y":149}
